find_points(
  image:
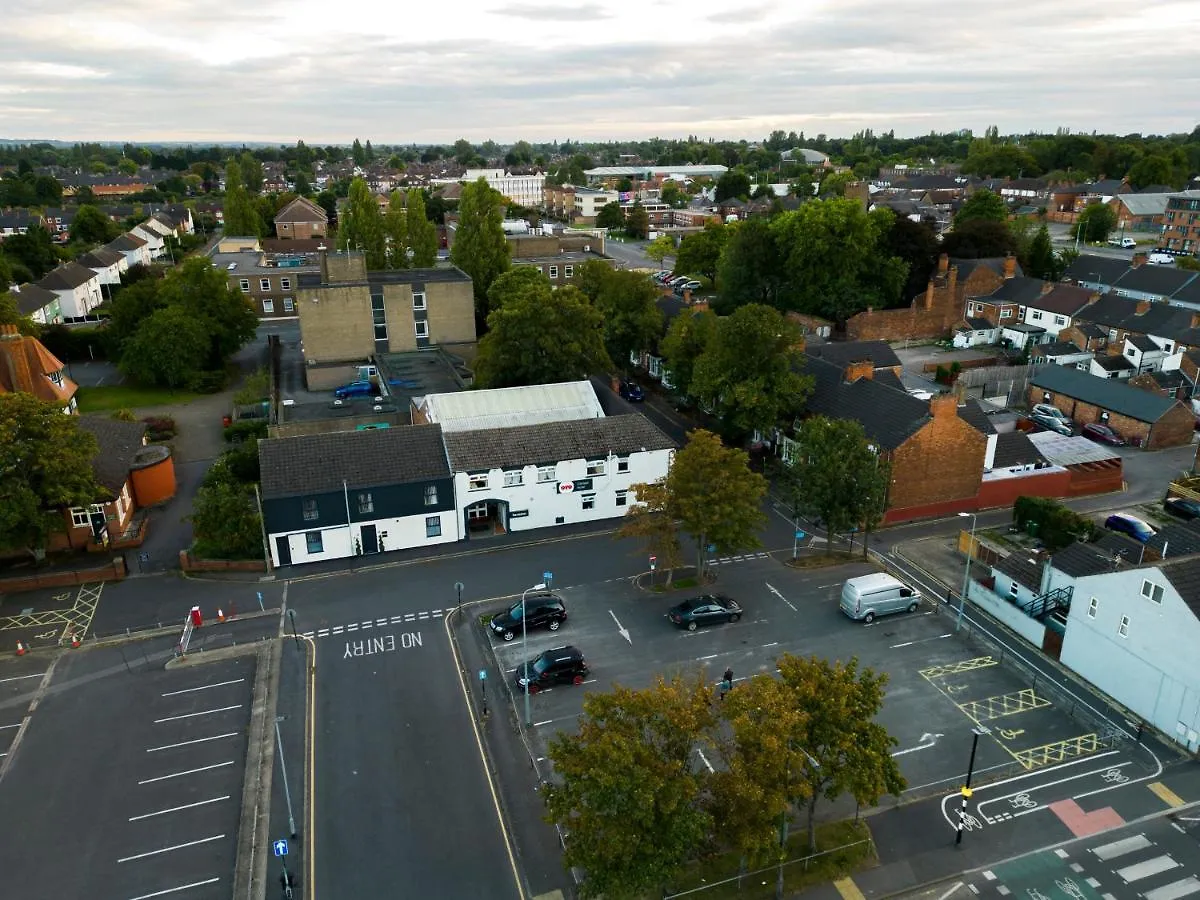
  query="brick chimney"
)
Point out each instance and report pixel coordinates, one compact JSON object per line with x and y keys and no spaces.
{"x":1093,"y":297}
{"x":927,"y":302}
{"x":1047,"y":287}
{"x":1010,"y":266}
{"x":1195,"y":320}
{"x":1139,"y":259}
{"x":943,"y":264}
{"x":944,"y":406}
{"x":953,"y":283}
{"x":1143,"y":307}
{"x":862,"y":368}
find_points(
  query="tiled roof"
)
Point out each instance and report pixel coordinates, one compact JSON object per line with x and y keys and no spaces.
{"x":126,"y":241}
{"x":1023,"y":570}
{"x":302,"y":210}
{"x":972,"y":413}
{"x":318,"y":463}
{"x":32,"y":297}
{"x":1142,"y":343}
{"x":1089,"y":267}
{"x":67,"y":277}
{"x":1162,"y":281}
{"x":967,"y":266}
{"x":1090,"y":329}
{"x":1106,"y":393}
{"x":1056,"y":348}
{"x":842,"y":353}
{"x":38,"y":363}
{"x":551,"y":442}
{"x":1014,"y":448}
{"x":1019,"y":289}
{"x":118,"y":446}
{"x":974,"y":323}
{"x":1112,"y":362}
{"x":1080,"y":559}
{"x":1185,"y":578}
{"x":1145,"y":204}
{"x":1063,"y":299}
{"x":100,"y":258}
{"x":888,"y":416}
{"x":1179,"y":539}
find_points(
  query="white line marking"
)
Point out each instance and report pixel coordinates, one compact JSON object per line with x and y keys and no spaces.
{"x":324,"y":632}
{"x":781,"y":597}
{"x":337,"y":629}
{"x":381,"y":621}
{"x":1176,"y":890}
{"x":207,"y":712}
{"x":215,"y":737}
{"x":307,"y":634}
{"x":921,"y":641}
{"x":207,"y":840}
{"x":710,"y":656}
{"x":203,"y":687}
{"x":2,"y":727}
{"x":396,"y":620}
{"x":188,"y":772}
{"x":367,"y":625}
{"x":409,"y":617}
{"x":423,"y":615}
{"x":436,"y":612}
{"x":21,"y":677}
{"x":540,"y":724}
{"x":352,"y":627}
{"x":704,"y":759}
{"x":175,"y":890}
{"x":822,"y":587}
{"x":1121,"y":847}
{"x":1155,"y":866}
{"x":951,"y":891}
{"x":163,"y":812}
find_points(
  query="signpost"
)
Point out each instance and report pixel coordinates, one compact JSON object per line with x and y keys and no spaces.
{"x":285,"y":877}
{"x":547,"y":579}
{"x":800,"y":535}
{"x":458,"y":589}
{"x":483,"y":690}
{"x":280,"y":847}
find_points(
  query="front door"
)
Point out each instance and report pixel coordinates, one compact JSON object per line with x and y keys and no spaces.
{"x":284,"y":549}
{"x":370,"y":543}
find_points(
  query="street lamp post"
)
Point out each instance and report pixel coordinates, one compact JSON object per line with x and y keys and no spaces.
{"x":976,"y":733}
{"x":962,"y":598}
{"x":524,"y":647}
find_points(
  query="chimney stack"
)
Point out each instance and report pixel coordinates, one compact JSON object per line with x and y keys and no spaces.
{"x":1143,"y":307}
{"x":944,"y":406}
{"x":1139,"y":259}
{"x":863,"y":368}
{"x":1010,"y":266}
{"x":943,"y":264}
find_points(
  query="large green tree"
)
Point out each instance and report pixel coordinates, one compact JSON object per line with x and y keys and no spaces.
{"x":1095,"y":223}
{"x":520,"y":283}
{"x":686,"y":340}
{"x":611,"y":216}
{"x":395,"y":227}
{"x":91,"y":226}
{"x":637,"y":223}
{"x":480,"y":247}
{"x":700,"y":254}
{"x":628,"y":790}
{"x":361,"y":225}
{"x":632,"y":320}
{"x":224,"y":517}
{"x":1042,"y":261}
{"x":749,"y":372}
{"x":34,"y":249}
{"x":169,"y":349}
{"x":751,"y":265}
{"x":979,"y":239}
{"x":252,"y":172}
{"x":422,"y":233}
{"x":532,"y":340}
{"x":241,"y":215}
{"x":982,"y":204}
{"x":204,"y":292}
{"x":660,"y":248}
{"x":915,"y":243}
{"x":45,"y":464}
{"x":732,"y":185}
{"x":651,"y":520}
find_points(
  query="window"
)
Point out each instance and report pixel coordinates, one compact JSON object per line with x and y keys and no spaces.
{"x":622,"y":498}
{"x":431,"y":493}
{"x":1093,"y":608}
{"x":313,"y":542}
{"x":1123,"y":628}
{"x":82,"y":518}
{"x":289,"y":305}
{"x":589,"y":501}
{"x":477,"y":481}
{"x":1037,"y":316}
{"x":268,"y":305}
{"x":244,"y":284}
{"x":433,"y":526}
{"x":309,"y":508}
{"x":379,"y":317}
{"x":1006,"y":313}
{"x":285,"y":284}
{"x":595,"y":467}
{"x":419,"y":300}
{"x":264,"y":284}
{"x":545,"y":474}
{"x":56,"y":377}
{"x":1013,"y":587}
{"x":1130,"y":351}
{"x":1152,"y":592}
{"x":554,"y":271}
{"x":622,"y":465}
{"x":568,"y":271}
{"x":513,"y":477}
{"x":366,"y":503}
{"x":1059,"y":320}
{"x":421,"y":328}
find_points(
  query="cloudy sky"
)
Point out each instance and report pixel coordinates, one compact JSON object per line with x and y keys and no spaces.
{"x":278,"y":70}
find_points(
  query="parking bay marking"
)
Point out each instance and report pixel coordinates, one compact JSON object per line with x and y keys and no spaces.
{"x":203,"y":687}
{"x":922,"y":641}
{"x":176,"y":890}
{"x":206,"y":712}
{"x":188,"y":772}
{"x":207,"y":840}
{"x":163,"y":812}
{"x":215,"y":737}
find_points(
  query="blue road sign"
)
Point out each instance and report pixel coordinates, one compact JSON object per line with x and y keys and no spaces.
{"x":800,"y":535}
{"x":547,"y":577}
{"x":280,"y":847}
{"x":712,"y":548}
{"x":144,"y":557}
{"x":483,"y":674}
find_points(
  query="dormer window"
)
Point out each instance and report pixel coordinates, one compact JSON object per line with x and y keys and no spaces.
{"x":56,"y":377}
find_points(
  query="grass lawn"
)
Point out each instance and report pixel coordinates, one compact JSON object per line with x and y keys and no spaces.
{"x":128,"y":396}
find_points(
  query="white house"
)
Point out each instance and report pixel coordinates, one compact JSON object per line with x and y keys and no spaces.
{"x":154,"y":234}
{"x":41,"y":305}
{"x":975,"y":332}
{"x":77,"y":287}
{"x":135,"y":249}
{"x":107,"y":264}
{"x":1055,"y":309}
{"x":1144,"y":353}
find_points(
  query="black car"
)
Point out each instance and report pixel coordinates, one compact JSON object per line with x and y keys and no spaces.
{"x":1183,"y":507}
{"x":632,"y":391}
{"x":707,"y":609}
{"x":541,"y":611}
{"x":562,"y":665}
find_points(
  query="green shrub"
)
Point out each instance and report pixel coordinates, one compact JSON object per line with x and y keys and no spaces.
{"x":1055,"y":524}
{"x":74,"y":344}
{"x":208,"y":382}
{"x":245,"y":431}
{"x":160,"y":428}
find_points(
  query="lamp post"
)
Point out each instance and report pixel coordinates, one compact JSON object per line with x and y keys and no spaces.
{"x":524,"y":646}
{"x":962,"y":598}
{"x":977,"y":733}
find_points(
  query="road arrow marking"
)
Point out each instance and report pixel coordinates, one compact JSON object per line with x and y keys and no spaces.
{"x":624,"y":632}
{"x":927,"y":741}
{"x":781,"y":597}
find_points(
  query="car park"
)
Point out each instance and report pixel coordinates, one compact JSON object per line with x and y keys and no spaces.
{"x":539,"y":610}
{"x":356,"y":389}
{"x":632,"y":391}
{"x":689,"y":286}
{"x":707,"y":609}
{"x":1051,"y":423}
{"x":1102,"y":434}
{"x":1183,"y":507}
{"x":1132,"y":526}
{"x":562,"y":665}
{"x":1048,"y":409}
{"x":676,"y":282}
{"x":879,"y":594}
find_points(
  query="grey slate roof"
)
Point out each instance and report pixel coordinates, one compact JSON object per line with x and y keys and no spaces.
{"x":1014,"y":448}
{"x":100,"y":258}
{"x":1112,"y":363}
{"x":551,"y":442}
{"x":967,"y":266}
{"x":1179,"y":538}
{"x":974,"y":323}
{"x":1143,"y":343}
{"x":1090,"y":329}
{"x":1162,"y":281}
{"x":1063,"y":299}
{"x":1170,"y":379}
{"x":1056,"y":348}
{"x":1089,"y":267}
{"x":888,"y":416}
{"x":1023,"y":570}
{"x":126,"y":241}
{"x":972,"y":413}
{"x":1080,"y":559}
{"x":842,"y":353}
{"x":1185,"y":578}
{"x":1105,"y":393}
{"x":67,"y":277}
{"x":118,"y":445}
{"x":32,"y":297}
{"x":318,"y":463}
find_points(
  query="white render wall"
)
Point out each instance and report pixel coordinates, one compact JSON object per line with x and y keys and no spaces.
{"x":545,"y":503}
{"x":80,"y":301}
{"x":338,"y":541}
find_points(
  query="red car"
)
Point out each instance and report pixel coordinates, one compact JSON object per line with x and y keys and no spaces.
{"x":1102,"y":434}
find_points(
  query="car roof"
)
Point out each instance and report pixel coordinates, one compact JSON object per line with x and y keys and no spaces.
{"x":562,"y":652}
{"x":1128,"y":518}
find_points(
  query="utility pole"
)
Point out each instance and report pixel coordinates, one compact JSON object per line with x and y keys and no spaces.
{"x":966,"y":791}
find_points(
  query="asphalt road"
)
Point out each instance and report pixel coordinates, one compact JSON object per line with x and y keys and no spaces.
{"x":630,"y":255}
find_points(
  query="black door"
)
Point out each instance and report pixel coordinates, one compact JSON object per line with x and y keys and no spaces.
{"x":284,"y":549}
{"x":370,"y":543}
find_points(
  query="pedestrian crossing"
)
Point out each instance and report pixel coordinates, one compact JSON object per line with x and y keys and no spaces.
{"x":353,"y":627}
{"x":1141,"y":866}
{"x":745,"y":557}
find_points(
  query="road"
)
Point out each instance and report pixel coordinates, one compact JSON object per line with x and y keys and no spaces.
{"x":630,"y":255}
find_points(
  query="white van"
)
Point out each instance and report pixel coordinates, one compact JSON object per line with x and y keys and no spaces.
{"x":1160,"y":259}
{"x":869,"y":596}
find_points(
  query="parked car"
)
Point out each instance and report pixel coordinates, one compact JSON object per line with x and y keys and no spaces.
{"x":1136,"y":528}
{"x":688,"y":286}
{"x":1183,"y":507}
{"x":1048,"y":409}
{"x":664,"y":277}
{"x":541,"y":611}
{"x":1103,"y":434}
{"x":660,"y":274}
{"x":707,"y":609}
{"x":867,"y":596}
{"x":1160,"y":258}
{"x":1125,"y":243}
{"x":676,"y":282}
{"x":356,"y":389}
{"x":1051,"y":423}
{"x":631,"y":391}
{"x":562,"y":665}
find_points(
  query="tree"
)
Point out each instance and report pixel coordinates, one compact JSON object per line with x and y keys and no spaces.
{"x":395,"y":227}
{"x":6,"y":273}
{"x":131,"y":306}
{"x":627,"y":788}
{"x":521,"y":283}
{"x":979,"y":239}
{"x":834,"y":183}
{"x":241,"y":215}
{"x":982,"y":204}
{"x":532,"y":340}
{"x":252,"y":172}
{"x":1095,"y":223}
{"x":632,"y":320}
{"x":700,"y":254}
{"x":204,"y":292}
{"x":915,"y":243}
{"x":748,"y":375}
{"x":836,"y":475}
{"x":91,"y":226}
{"x":422,"y":233}
{"x":750,"y":268}
{"x":357,"y":153}
{"x":686,"y":340}
{"x":464,"y":151}
{"x":637,"y":223}
{"x":362,"y":227}
{"x":34,"y":250}
{"x":47,"y":190}
{"x":169,"y":349}
{"x":660,"y":248}
{"x":1042,"y":263}
{"x":650,"y":519}
{"x":611,"y":216}
{"x":1157,"y":168}
{"x":480,"y":248}
{"x":673,"y":195}
{"x":732,"y":184}
{"x":224,"y":519}
{"x":46,"y":463}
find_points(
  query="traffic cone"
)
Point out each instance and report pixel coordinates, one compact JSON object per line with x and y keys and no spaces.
{"x":75,"y":640}
{"x":220,"y":615}
{"x":20,"y":649}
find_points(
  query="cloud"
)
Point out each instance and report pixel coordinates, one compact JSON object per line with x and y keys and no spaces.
{"x":554,"y":13}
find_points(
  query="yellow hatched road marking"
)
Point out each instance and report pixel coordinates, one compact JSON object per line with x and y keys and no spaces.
{"x":1165,"y":794}
{"x":966,"y":665}
{"x":75,"y":620}
{"x":848,"y":889}
{"x":1058,"y":751}
{"x":1003,"y":705}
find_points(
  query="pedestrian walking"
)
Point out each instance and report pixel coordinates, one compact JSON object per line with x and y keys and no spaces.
{"x":726,"y":682}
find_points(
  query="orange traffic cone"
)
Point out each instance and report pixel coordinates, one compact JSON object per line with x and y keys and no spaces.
{"x":75,"y":640}
{"x":20,"y":649}
{"x":220,"y":616}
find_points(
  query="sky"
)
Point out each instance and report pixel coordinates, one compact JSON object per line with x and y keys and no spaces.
{"x":540,"y":70}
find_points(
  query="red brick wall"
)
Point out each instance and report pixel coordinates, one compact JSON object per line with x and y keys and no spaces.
{"x":1001,"y":493}
{"x":1075,"y":336}
{"x":1096,"y":478}
{"x":1172,"y":430}
{"x":930,"y":315}
{"x":941,"y":463}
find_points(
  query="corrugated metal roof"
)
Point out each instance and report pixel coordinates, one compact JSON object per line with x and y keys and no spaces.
{"x":1062,"y":450}
{"x":533,"y":404}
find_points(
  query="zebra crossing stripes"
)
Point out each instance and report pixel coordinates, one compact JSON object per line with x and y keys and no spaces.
{"x":726,"y":560}
{"x":350,"y":628}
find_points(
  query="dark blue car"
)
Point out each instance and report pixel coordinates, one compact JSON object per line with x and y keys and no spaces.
{"x":632,"y":391}
{"x":1132,"y":526}
{"x":356,"y":389}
